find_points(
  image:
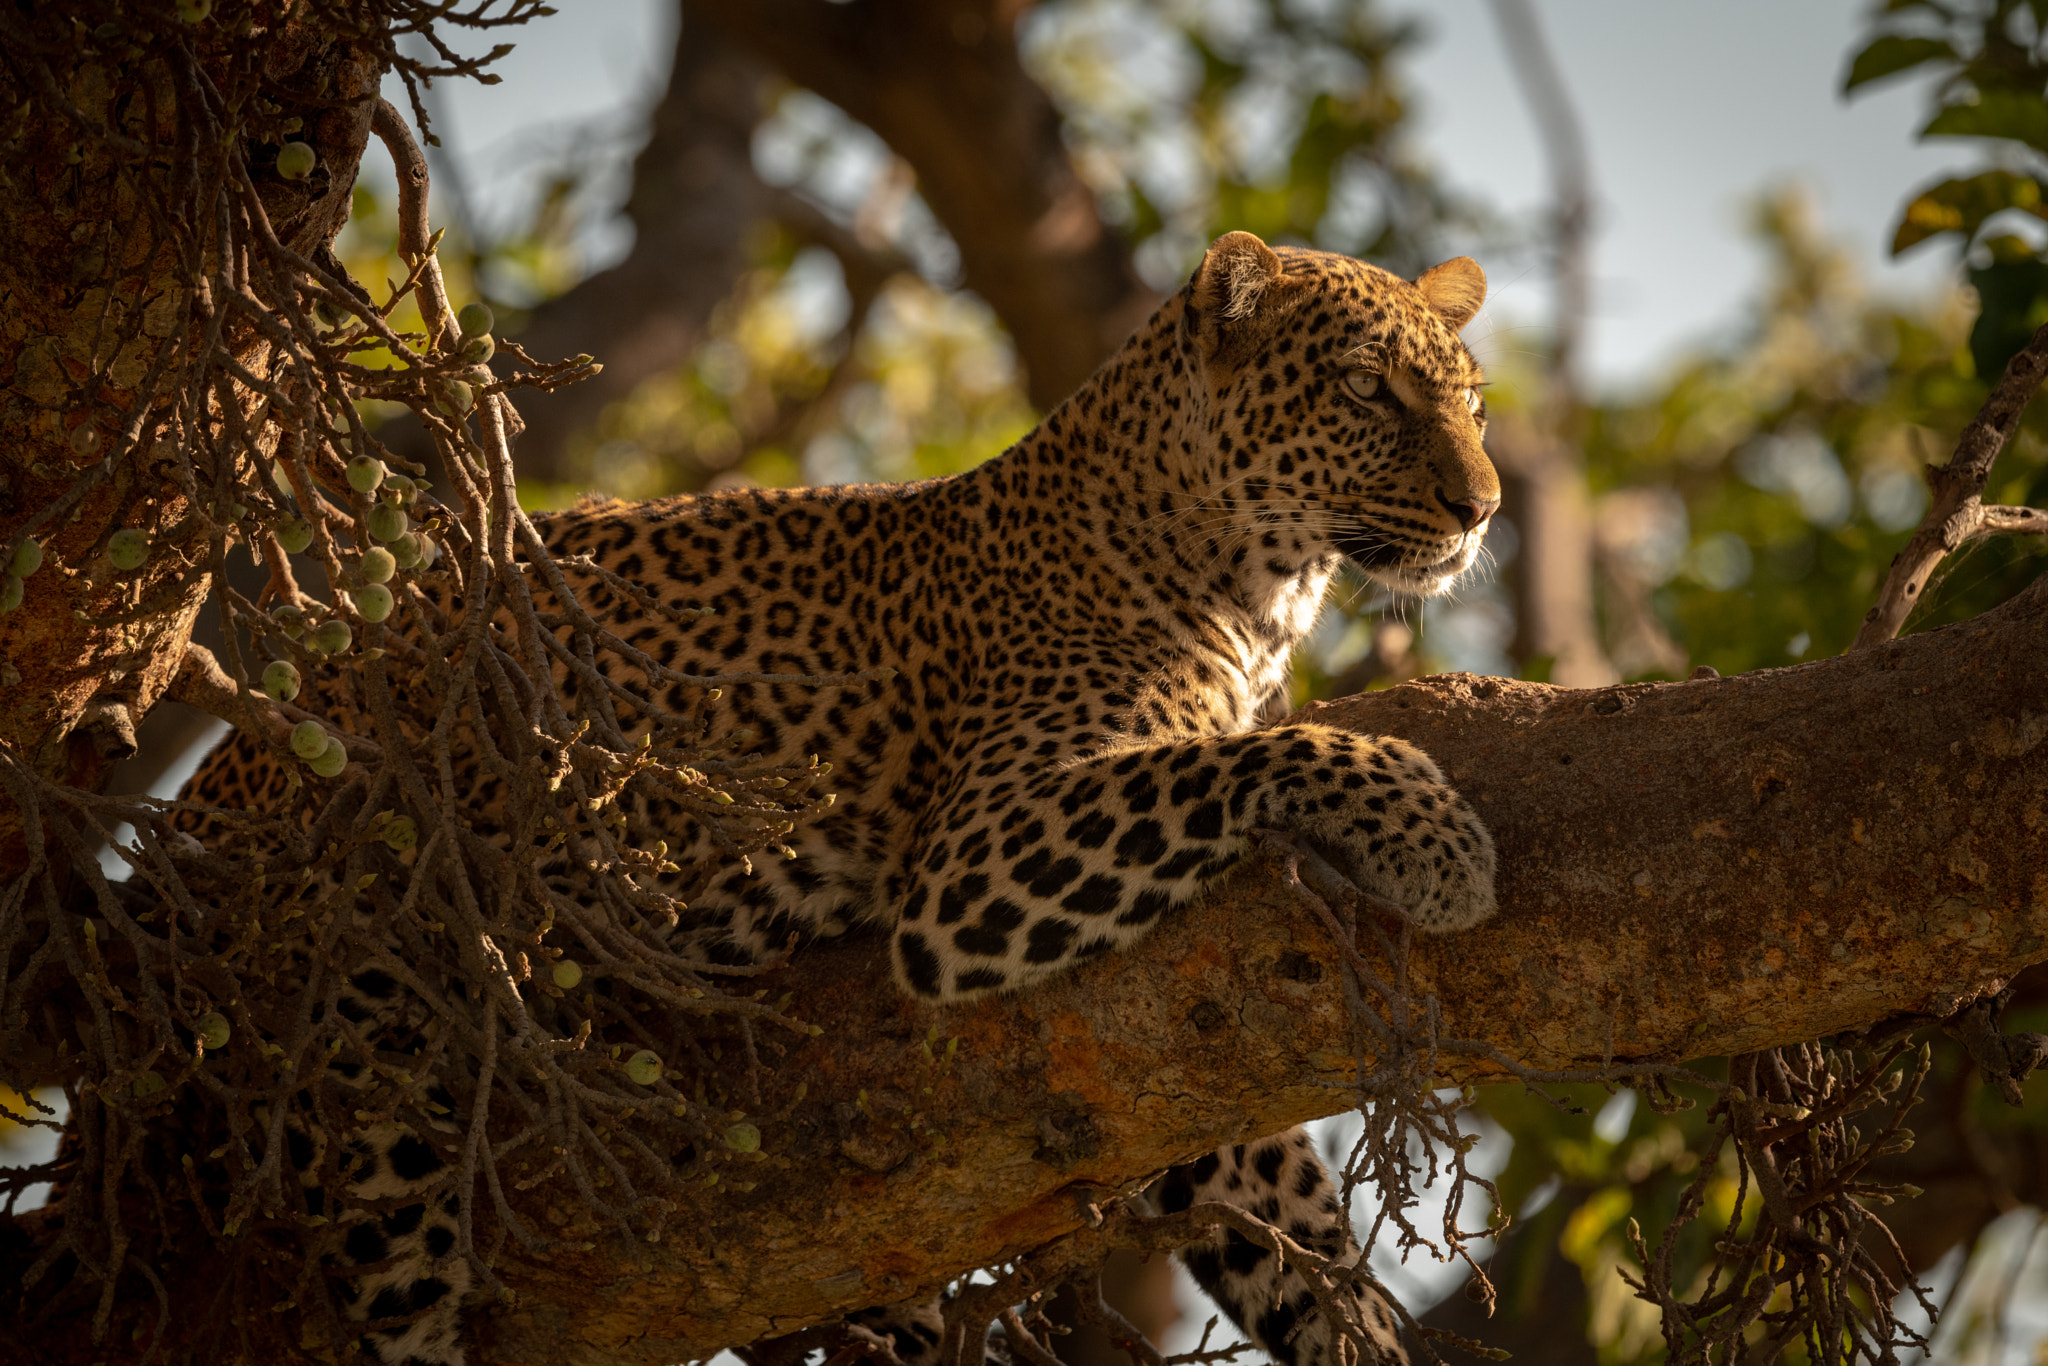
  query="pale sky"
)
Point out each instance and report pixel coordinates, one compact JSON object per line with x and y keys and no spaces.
{"x":1691,"y":109}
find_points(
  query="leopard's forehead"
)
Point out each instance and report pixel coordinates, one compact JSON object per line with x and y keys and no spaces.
{"x":1362,"y":314}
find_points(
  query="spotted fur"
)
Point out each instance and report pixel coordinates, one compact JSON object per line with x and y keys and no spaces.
{"x":1283,"y":1182}
{"x":1088,"y":633}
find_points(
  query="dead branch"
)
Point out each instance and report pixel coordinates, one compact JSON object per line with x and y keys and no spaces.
{"x":1957,"y":514}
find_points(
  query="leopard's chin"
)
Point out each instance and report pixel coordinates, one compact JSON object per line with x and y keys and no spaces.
{"x":1411,"y":577}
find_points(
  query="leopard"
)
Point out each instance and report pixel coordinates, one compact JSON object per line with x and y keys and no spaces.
{"x":1073,"y":711}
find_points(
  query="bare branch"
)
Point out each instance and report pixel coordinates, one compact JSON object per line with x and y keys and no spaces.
{"x":1956,"y":514}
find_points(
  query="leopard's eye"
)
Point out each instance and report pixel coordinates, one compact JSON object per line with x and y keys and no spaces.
{"x":1472,"y":401}
{"x":1362,"y":384}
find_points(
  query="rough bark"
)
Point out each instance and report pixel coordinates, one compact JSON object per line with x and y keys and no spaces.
{"x":90,"y":300}
{"x":943,"y":86}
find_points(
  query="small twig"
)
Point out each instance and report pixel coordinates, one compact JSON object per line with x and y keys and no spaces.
{"x":201,"y":683}
{"x":414,"y":239}
{"x":1957,"y":513}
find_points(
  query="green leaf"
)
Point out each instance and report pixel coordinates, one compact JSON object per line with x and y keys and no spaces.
{"x":1892,"y":54}
{"x":1962,"y":205}
{"x":2012,"y":294}
{"x":2013,"y":114}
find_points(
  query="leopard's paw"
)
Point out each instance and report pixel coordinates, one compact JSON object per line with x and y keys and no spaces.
{"x":1407,"y":836}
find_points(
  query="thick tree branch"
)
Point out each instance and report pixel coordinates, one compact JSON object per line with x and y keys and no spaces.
{"x":944,"y":87}
{"x":695,"y":200}
{"x":1689,"y":869}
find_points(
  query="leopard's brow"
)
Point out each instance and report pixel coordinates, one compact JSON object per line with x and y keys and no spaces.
{"x":1370,"y":355}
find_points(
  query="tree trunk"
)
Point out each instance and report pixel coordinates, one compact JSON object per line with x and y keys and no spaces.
{"x":944,"y":87}
{"x":695,"y":202}
{"x":91,"y":301}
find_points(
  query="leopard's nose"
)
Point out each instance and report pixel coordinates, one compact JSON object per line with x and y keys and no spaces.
{"x":1470,"y":512}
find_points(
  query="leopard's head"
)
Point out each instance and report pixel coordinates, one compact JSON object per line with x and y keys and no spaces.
{"x":1343,"y":414}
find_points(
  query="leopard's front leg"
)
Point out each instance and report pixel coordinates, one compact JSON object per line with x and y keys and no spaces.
{"x":1025,"y":874}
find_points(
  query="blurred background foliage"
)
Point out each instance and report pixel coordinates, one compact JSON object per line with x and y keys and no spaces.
{"x":1743,"y":508}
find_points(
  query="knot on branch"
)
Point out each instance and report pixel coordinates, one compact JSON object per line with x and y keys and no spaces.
{"x":110,"y":726}
{"x":2006,"y":1060}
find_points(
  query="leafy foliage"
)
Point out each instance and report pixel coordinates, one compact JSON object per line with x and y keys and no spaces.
{"x":1284,"y":120}
{"x":1761,"y":492}
{"x":1991,"y":68}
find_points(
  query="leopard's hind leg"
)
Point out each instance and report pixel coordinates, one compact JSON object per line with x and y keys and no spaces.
{"x":1282,"y":1181}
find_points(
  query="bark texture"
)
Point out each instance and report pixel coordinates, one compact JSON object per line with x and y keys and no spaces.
{"x":92,"y":309}
{"x":1690,"y":869}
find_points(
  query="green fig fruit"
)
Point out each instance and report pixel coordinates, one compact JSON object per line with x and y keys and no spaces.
{"x":309,"y":739}
{"x":296,"y":160}
{"x":281,"y":682}
{"x":331,"y":760}
{"x":374,"y":602}
{"x":214,"y":1031}
{"x":294,"y":535}
{"x":365,"y":472}
{"x":331,"y":637}
{"x":128,"y":548}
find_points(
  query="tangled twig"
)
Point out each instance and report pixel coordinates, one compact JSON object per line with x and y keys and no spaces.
{"x":462,"y":799}
{"x":1806,"y":1260}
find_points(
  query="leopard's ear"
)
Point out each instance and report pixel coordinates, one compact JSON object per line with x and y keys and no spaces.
{"x":1454,"y":290}
{"x":1230,"y":299}
{"x":1234,"y":276}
